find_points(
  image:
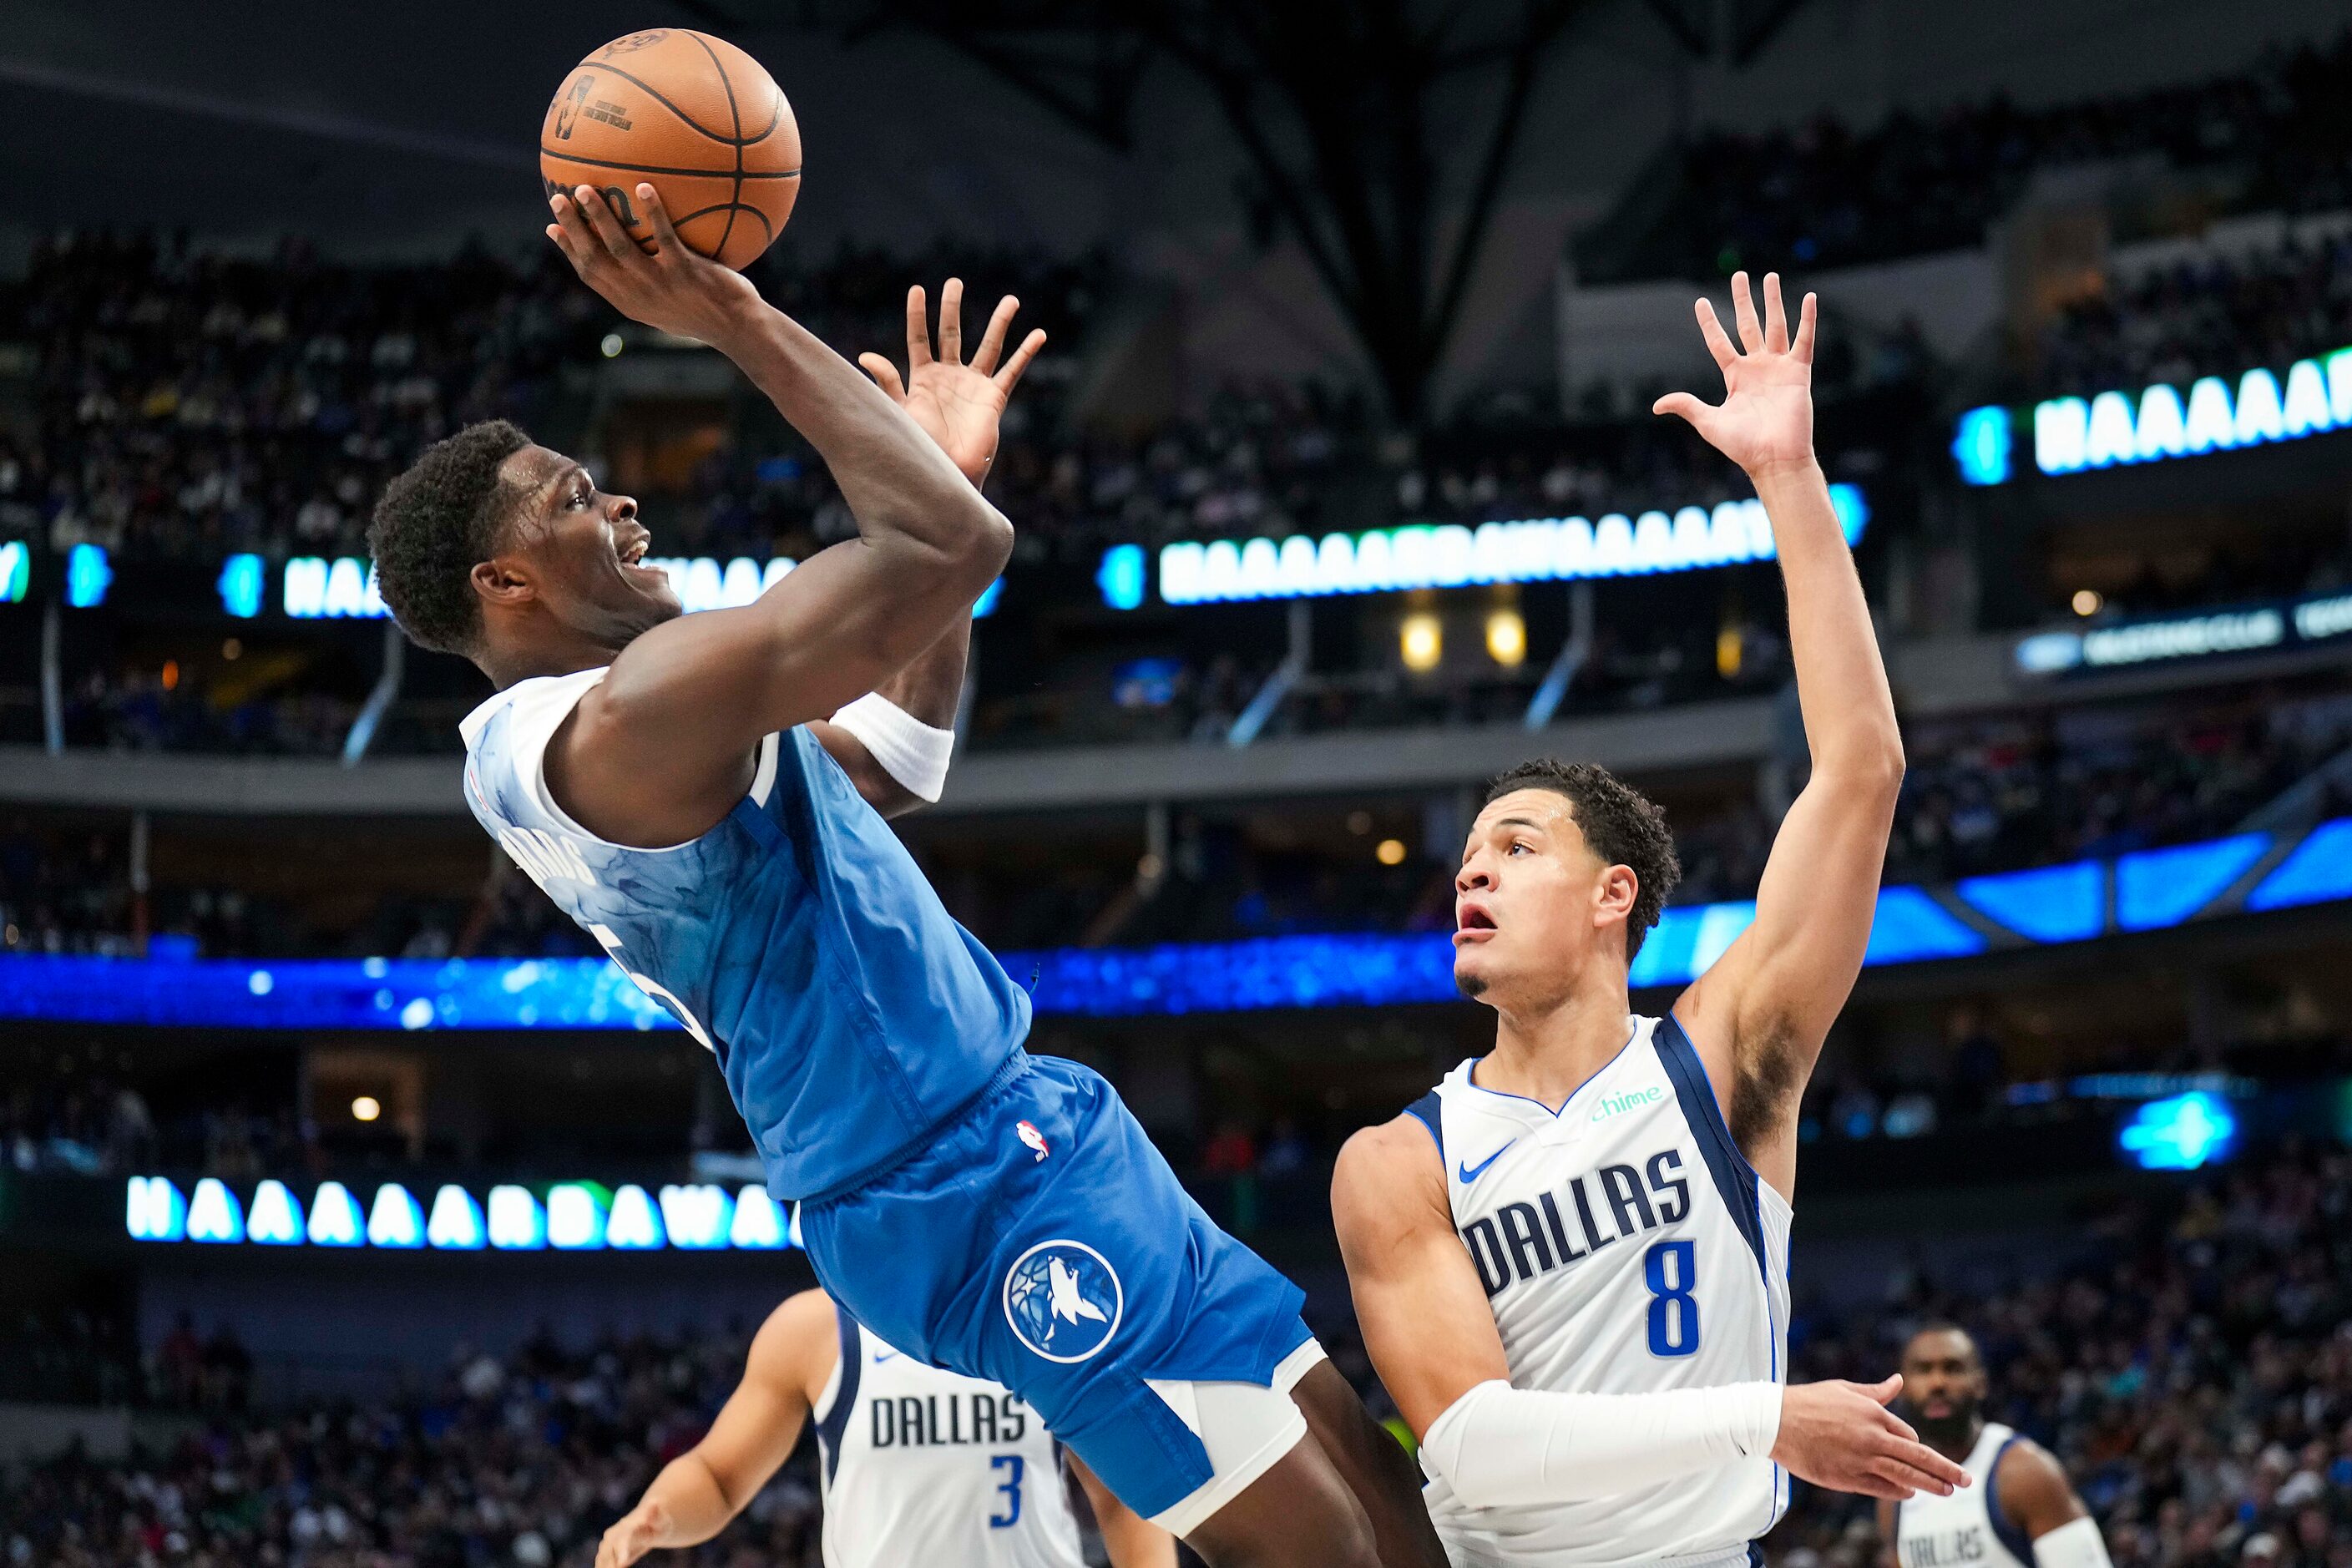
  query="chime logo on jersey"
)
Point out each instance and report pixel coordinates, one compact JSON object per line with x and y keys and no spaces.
{"x":1520,"y":1240}
{"x":1063,"y":1299}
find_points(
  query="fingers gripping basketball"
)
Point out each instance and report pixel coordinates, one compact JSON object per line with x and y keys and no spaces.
{"x":695,"y":117}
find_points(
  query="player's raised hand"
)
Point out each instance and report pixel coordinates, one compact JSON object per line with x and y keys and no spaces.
{"x":960,"y":404}
{"x":1765,"y":421}
{"x":634,"y":1534}
{"x":1840,"y":1434}
{"x":669,"y":286}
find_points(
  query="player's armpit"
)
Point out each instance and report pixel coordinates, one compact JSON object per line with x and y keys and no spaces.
{"x":1423,"y":1314}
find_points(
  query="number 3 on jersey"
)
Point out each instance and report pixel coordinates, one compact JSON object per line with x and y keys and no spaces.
{"x":1009,"y":1488}
{"x":1668,"y":1268}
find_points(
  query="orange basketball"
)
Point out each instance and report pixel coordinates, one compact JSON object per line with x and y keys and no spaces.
{"x":693,"y":116}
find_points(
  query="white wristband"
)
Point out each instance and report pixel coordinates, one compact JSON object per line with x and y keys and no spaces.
{"x":908,"y":748}
{"x":2073,"y":1544}
{"x":1498,"y":1446}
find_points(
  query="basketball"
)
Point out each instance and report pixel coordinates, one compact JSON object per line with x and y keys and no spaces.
{"x":692,"y":115}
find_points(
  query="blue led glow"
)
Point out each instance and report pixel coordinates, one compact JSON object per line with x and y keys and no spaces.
{"x":1911,"y":925}
{"x":456,"y":1225}
{"x":1122,"y":576}
{"x":1451,"y":556}
{"x":1981,"y":447}
{"x":575,"y":1217}
{"x":396,"y":1219}
{"x":155,"y":1210}
{"x":276,"y":1219}
{"x":2318,"y":870}
{"x":2056,"y":903}
{"x":335,"y":1216}
{"x":240,"y":585}
{"x":15,"y":571}
{"x":2153,"y":889}
{"x":2074,"y":434}
{"x":698,"y":1217}
{"x":517,"y":1221}
{"x":88,"y":575}
{"x":214,"y":1213}
{"x":2159,"y":888}
{"x":2182,"y":1133}
{"x":985,"y":605}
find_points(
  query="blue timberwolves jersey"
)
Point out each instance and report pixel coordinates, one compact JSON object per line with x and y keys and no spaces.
{"x":797,"y":940}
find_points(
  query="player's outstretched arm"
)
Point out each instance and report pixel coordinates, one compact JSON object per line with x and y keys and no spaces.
{"x":1432,"y":1336}
{"x":697,"y":1492}
{"x":1133,"y":1541}
{"x":960,"y":404}
{"x":1760,"y":1014}
{"x":663,"y":747}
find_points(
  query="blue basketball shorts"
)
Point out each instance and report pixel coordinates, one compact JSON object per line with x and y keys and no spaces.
{"x":1040,"y":1241}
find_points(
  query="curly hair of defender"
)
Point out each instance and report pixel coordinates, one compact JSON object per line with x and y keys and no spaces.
{"x":1625,"y":827}
{"x":435,"y":522}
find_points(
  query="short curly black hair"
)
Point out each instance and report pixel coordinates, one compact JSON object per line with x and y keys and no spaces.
{"x":438,"y":520}
{"x":1624,"y":826}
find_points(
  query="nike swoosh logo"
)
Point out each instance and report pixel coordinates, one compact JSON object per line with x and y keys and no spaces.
{"x":881,"y":1356}
{"x":1470,"y":1173}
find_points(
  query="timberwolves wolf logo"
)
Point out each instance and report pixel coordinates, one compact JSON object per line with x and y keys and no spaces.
{"x":1063,"y":1299}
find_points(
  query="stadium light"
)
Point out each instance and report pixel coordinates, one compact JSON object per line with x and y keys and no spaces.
{"x":2182,"y":1133}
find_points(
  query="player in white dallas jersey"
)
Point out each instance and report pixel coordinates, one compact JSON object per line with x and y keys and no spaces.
{"x":1570,"y":1261}
{"x":2021,"y":1513}
{"x":919,"y":1466}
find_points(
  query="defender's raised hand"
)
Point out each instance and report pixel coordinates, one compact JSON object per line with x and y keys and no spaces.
{"x":669,"y":287}
{"x":1765,"y":421}
{"x":958,"y":403}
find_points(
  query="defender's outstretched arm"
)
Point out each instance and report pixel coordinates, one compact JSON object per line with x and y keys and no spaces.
{"x":1759,"y":1014}
{"x":1433,"y":1339}
{"x":697,"y":1492}
{"x":662,"y":747}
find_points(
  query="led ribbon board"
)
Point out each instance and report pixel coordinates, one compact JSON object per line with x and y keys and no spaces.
{"x":2148,"y":890}
{"x":2167,"y":639}
{"x":1453,"y":555}
{"x":567,"y":1216}
{"x":314,"y":588}
{"x":2071,"y":435}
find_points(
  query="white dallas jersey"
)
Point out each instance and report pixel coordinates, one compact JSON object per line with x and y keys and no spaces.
{"x":925,"y":1467}
{"x":1966,"y":1529}
{"x":1626,"y":1247}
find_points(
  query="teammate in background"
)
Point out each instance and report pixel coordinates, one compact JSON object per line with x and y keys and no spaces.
{"x":2021,"y":1513}
{"x":917,"y":1466}
{"x":705,"y":795}
{"x":1569,"y":1259}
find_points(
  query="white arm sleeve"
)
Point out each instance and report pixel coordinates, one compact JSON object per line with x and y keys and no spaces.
{"x":1499,"y":1446}
{"x":908,"y":748}
{"x":2073,"y":1544}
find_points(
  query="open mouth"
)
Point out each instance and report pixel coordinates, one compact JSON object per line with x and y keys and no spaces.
{"x":1471,"y":923}
{"x":632,"y":557}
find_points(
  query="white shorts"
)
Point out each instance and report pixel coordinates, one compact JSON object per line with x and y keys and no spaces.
{"x":1246,"y":1429}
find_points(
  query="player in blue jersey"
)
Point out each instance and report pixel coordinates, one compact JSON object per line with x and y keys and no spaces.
{"x":705,"y":795}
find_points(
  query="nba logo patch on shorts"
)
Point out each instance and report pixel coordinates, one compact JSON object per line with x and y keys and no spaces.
{"x":1063,"y":1299}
